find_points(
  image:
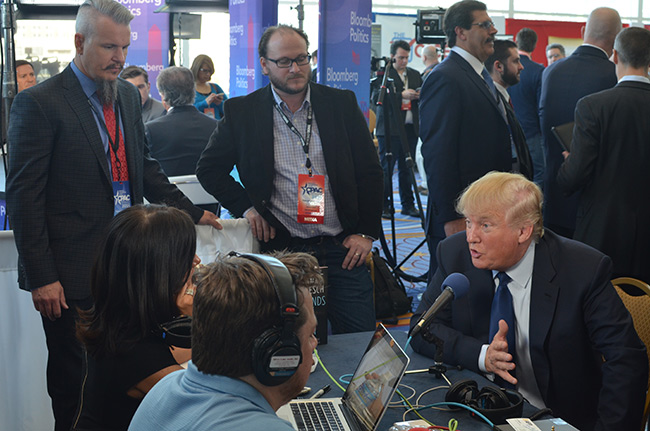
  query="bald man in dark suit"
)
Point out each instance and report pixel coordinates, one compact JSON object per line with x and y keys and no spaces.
{"x":588,"y":70}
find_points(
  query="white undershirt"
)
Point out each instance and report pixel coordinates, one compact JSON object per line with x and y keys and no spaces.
{"x":520,"y":288}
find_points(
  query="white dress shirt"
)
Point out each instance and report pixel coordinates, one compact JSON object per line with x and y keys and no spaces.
{"x":521,"y":275}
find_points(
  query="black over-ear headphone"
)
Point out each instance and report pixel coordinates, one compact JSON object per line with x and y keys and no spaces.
{"x":496,"y":404}
{"x":177,"y":332}
{"x":276,"y":352}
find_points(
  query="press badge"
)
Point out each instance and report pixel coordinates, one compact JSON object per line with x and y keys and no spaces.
{"x":406,"y":105}
{"x":311,"y":199}
{"x":121,"y":196}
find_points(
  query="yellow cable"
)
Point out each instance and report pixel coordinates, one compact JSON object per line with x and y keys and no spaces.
{"x":320,"y":361}
{"x":414,"y":410}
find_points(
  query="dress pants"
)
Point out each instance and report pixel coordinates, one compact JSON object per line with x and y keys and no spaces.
{"x":350,"y":305}
{"x":536,"y":149}
{"x":403,"y":172}
{"x":66,"y":363}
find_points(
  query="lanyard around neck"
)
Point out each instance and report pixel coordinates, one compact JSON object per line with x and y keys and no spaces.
{"x":115,"y":145}
{"x":304,"y":141}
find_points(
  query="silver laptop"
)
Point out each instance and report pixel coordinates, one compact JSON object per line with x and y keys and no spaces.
{"x":366,"y":398}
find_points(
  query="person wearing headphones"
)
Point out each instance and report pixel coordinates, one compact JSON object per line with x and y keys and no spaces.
{"x":252,"y":343}
{"x":141,"y":282}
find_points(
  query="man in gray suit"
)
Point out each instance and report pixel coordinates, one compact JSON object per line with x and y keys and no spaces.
{"x":77,"y":155}
{"x":610,"y":161}
{"x":178,"y":138}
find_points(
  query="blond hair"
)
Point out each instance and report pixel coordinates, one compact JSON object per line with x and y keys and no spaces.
{"x":501,"y":192}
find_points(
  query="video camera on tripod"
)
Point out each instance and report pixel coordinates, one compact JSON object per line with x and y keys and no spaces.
{"x":378,"y":64}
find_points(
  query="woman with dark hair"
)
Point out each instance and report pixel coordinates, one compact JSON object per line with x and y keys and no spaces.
{"x":141,"y":279}
{"x":209,"y":97}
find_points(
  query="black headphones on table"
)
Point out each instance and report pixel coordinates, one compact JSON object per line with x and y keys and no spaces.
{"x":277,"y":352}
{"x":496,"y":404}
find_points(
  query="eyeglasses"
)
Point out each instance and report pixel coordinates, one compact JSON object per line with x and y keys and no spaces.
{"x":284,"y":62}
{"x":205,"y":71}
{"x":485,"y":25}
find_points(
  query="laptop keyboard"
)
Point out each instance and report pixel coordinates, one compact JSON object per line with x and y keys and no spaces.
{"x":317,"y":416}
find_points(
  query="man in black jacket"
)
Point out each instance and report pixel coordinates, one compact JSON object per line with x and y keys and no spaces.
{"x":310,"y":177}
{"x":407,"y":83}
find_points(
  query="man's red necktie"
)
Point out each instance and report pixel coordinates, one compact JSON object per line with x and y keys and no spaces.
{"x":118,"y":163}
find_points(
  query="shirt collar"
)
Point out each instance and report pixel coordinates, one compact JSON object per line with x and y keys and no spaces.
{"x":501,"y":89}
{"x":522,"y":271}
{"x":635,"y":78}
{"x":87,"y":85}
{"x":473,"y":61}
{"x":281,"y":103}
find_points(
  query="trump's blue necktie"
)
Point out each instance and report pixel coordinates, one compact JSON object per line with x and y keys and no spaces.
{"x":502,"y":310}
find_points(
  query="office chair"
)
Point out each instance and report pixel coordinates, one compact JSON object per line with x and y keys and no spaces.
{"x":638,"y":307}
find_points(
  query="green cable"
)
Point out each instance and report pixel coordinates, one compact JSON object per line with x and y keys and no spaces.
{"x":327,"y":372}
{"x":453,"y":424}
{"x":413,"y":409}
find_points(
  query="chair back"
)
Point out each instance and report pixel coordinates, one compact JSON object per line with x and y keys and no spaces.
{"x":638,"y":307}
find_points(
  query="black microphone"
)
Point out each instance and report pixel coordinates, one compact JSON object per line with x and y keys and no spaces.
{"x":455,"y":286}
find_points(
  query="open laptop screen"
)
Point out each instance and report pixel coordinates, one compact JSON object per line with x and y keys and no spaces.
{"x":375,"y":379}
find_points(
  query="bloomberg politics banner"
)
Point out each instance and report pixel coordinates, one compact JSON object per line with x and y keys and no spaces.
{"x":149,"y":39}
{"x":248,"y":20}
{"x":344,"y":47}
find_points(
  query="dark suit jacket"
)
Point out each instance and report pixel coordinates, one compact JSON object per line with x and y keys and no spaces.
{"x":244,"y":137}
{"x":519,"y":139}
{"x":414,"y":82}
{"x":610,"y":163}
{"x":463,"y":132}
{"x":178,"y":139}
{"x":525,"y":96}
{"x":576,"y":320}
{"x":586,"y":71}
{"x":59,"y":189}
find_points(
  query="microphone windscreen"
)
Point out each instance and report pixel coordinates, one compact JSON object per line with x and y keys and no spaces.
{"x":458,"y":283}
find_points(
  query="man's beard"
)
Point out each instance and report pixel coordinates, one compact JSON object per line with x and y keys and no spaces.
{"x":510,"y":78}
{"x":279,"y":85}
{"x":107,"y":91}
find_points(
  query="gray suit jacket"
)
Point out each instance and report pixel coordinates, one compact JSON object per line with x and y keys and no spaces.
{"x":59,"y":189}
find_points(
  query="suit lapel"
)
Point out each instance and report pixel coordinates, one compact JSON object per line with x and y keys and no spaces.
{"x":543,"y":303}
{"x":476,"y":80}
{"x":262,"y":126}
{"x":324,"y":116}
{"x":127,"y":115}
{"x":74,"y":95}
{"x":481,"y":293}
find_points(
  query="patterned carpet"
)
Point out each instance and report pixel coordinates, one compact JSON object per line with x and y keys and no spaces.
{"x":409,"y":233}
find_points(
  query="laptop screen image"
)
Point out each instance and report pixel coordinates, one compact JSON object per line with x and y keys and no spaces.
{"x":375,"y":379}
